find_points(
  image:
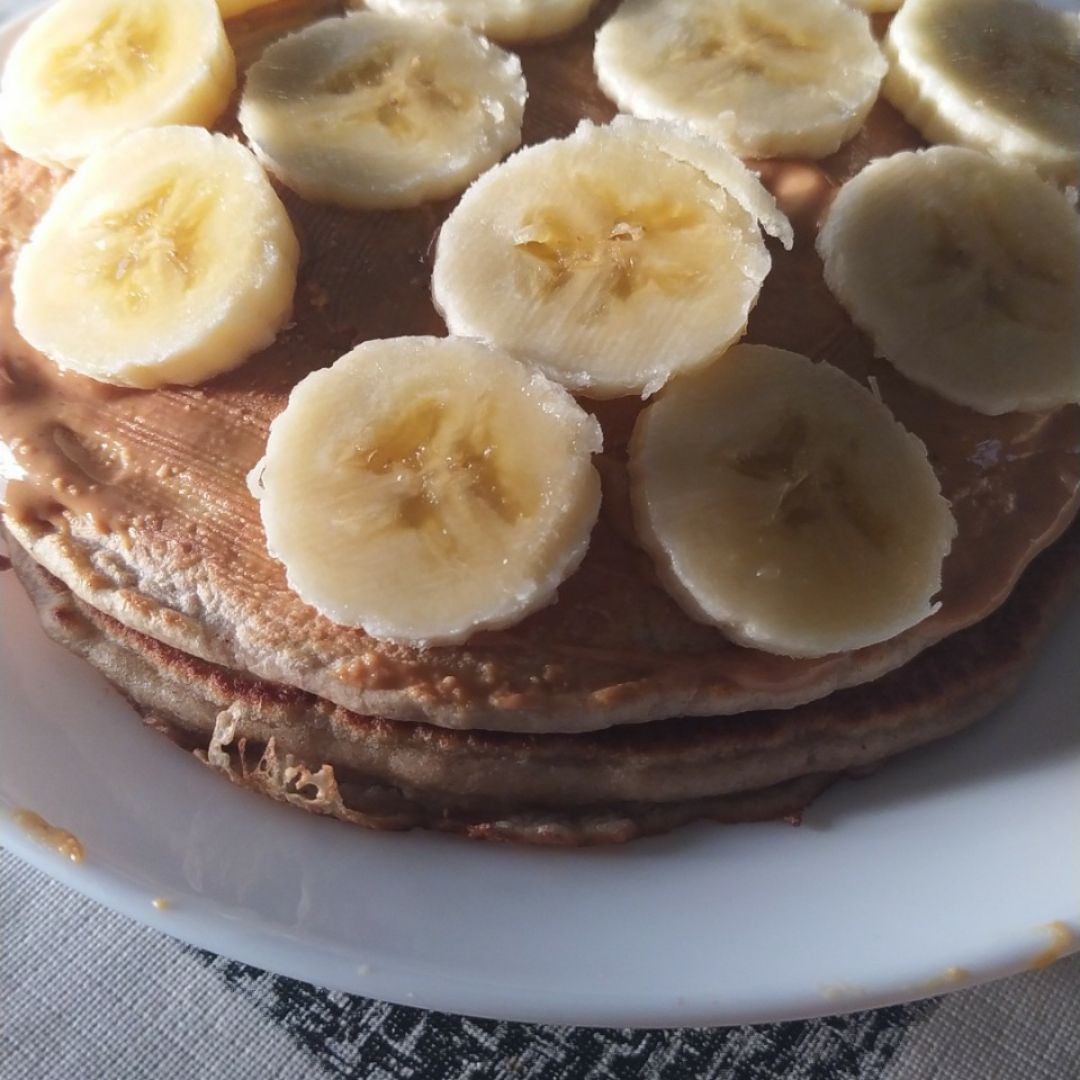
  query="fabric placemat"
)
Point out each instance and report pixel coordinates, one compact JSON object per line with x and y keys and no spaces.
{"x":86,"y":994}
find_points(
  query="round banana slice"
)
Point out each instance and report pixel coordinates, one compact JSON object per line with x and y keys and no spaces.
{"x":229,"y":8}
{"x":782,"y":502}
{"x":874,"y":6}
{"x":766,"y":77}
{"x":965,"y":271}
{"x":996,"y":75}
{"x":504,"y":20}
{"x":88,"y":71}
{"x":379,"y":112}
{"x":425,"y":488}
{"x":166,"y":258}
{"x":608,"y":286}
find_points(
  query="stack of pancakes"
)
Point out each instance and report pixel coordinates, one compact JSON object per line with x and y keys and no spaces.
{"x":607,"y":715}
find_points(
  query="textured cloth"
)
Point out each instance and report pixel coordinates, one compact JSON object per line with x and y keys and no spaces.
{"x":88,"y":994}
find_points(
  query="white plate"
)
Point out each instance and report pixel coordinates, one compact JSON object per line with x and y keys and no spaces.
{"x":960,"y":856}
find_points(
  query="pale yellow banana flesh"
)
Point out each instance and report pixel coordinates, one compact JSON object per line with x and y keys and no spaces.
{"x":124,"y":278}
{"x":782,"y":502}
{"x":720,"y":166}
{"x":965,"y":272}
{"x":231,"y":8}
{"x":425,"y":488}
{"x":372,"y":111}
{"x":765,"y":77}
{"x":502,"y":20}
{"x":874,"y":6}
{"x":996,"y":75}
{"x":88,"y":71}
{"x":608,"y":287}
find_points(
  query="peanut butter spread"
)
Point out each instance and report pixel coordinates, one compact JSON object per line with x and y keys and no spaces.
{"x":60,"y":840}
{"x":137,"y":499}
{"x":1062,"y":941}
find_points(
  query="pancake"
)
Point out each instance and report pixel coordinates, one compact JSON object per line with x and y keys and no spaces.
{"x":606,"y":716}
{"x":598,"y":788}
{"x":137,"y":500}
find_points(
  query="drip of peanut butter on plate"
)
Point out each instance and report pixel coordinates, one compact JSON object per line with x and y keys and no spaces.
{"x":159,"y":476}
{"x":1062,"y":941}
{"x":60,"y":840}
{"x":952,"y":978}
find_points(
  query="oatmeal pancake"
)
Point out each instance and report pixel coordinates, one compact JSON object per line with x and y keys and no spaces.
{"x":137,"y":500}
{"x":589,"y":788}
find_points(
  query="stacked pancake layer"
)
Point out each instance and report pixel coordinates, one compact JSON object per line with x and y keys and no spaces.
{"x":607,"y":714}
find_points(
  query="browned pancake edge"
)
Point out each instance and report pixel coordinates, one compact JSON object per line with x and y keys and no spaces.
{"x":584,"y":789}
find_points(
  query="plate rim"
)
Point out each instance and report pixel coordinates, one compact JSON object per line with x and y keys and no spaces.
{"x":209,"y":924}
{"x":194,"y":923}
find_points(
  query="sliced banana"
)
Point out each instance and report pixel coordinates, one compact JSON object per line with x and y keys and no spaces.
{"x":88,"y":71}
{"x":965,"y":271}
{"x":782,"y":502}
{"x":426,"y":488}
{"x":503,"y":20}
{"x":376,"y":111}
{"x":608,"y":286}
{"x":875,"y":6}
{"x":720,"y":165}
{"x":996,"y":75}
{"x":230,"y":8}
{"x":166,"y":258}
{"x":766,"y":77}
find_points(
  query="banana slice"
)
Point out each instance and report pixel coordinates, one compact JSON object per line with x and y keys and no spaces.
{"x":965,"y":271}
{"x":766,"y":77}
{"x":874,"y":6}
{"x":231,"y":8}
{"x":425,"y":488}
{"x":782,"y":502}
{"x":88,"y":71}
{"x":166,"y":258}
{"x":609,"y":287}
{"x":503,"y":20}
{"x":379,"y":112}
{"x":996,"y":75}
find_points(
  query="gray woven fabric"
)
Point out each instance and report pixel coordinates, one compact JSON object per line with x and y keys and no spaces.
{"x":88,"y":994}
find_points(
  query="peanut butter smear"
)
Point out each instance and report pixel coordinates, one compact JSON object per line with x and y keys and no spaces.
{"x":138,"y":498}
{"x":1062,"y":942}
{"x":60,"y":840}
{"x":950,"y":979}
